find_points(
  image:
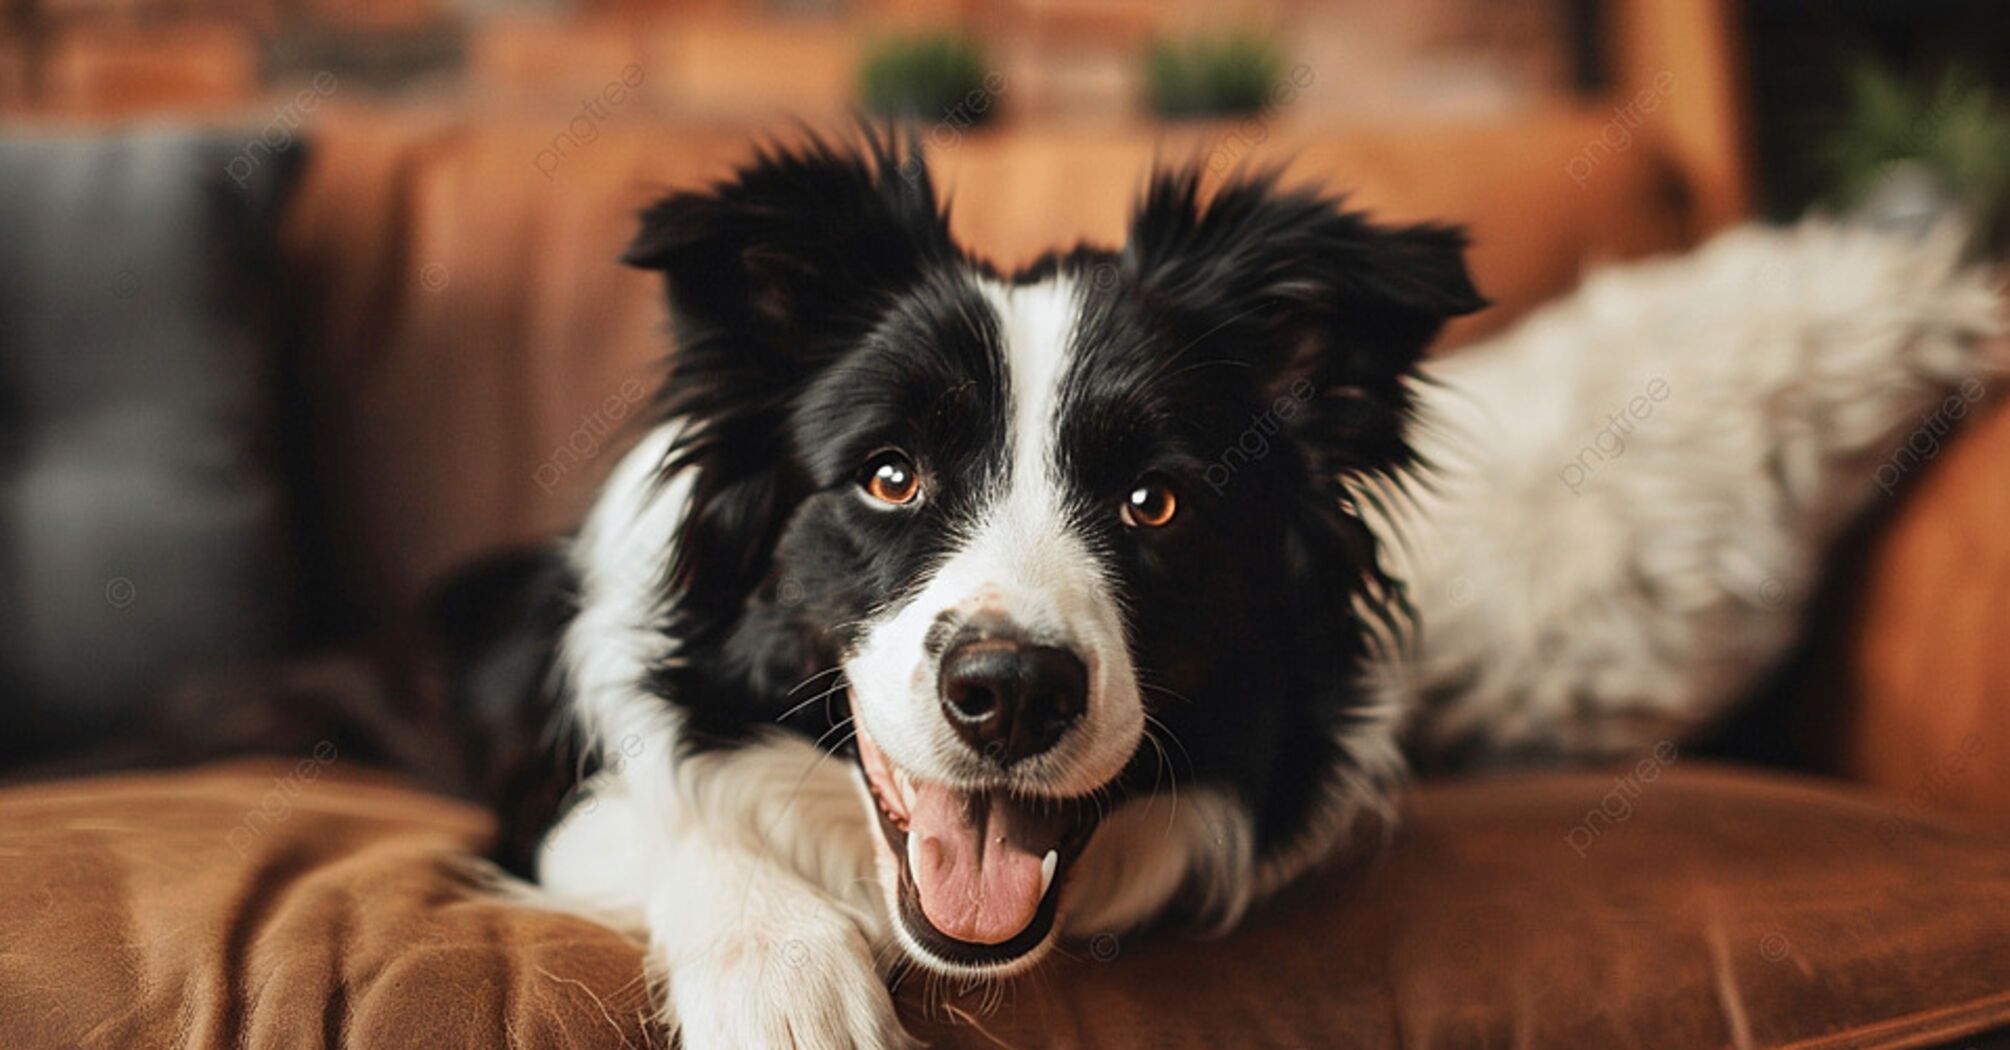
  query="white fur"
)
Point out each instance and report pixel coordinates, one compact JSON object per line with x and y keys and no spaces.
{"x":1150,"y":848}
{"x":1593,"y":605}
{"x":621,"y":555}
{"x":749,"y":872}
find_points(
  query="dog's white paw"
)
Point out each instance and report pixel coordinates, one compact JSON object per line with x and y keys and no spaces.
{"x":807,"y":983}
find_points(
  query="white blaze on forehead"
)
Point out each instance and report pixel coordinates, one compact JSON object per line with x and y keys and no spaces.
{"x":1039,"y":331}
{"x":1023,"y":556}
{"x":1023,"y":553}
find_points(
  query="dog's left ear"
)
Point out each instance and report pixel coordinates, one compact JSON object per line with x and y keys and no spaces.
{"x":793,"y":253}
{"x":771,"y":275}
{"x":1328,"y":308}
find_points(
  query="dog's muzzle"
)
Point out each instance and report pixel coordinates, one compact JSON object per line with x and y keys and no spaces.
{"x":979,"y":864}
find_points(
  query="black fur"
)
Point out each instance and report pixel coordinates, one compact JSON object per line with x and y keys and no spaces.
{"x":1258,"y":310}
{"x":490,"y":642}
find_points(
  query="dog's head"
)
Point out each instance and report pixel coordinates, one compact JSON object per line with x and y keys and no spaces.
{"x":1030,"y":525}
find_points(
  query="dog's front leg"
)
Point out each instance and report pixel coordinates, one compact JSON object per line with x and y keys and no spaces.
{"x":758,"y":957}
{"x":764,"y":939}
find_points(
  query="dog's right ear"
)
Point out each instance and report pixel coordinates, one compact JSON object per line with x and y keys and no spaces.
{"x":788,"y":258}
{"x":1320,"y":303}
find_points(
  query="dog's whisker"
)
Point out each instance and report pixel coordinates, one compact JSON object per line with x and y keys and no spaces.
{"x":825,"y":695}
{"x":933,"y":997}
{"x":1164,"y":761}
{"x":1153,"y":720}
{"x":1156,"y":688}
{"x":799,"y":685}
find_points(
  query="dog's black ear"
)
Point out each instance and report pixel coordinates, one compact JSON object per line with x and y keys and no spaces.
{"x":770,"y":275}
{"x":792,"y":254}
{"x":1331,"y":310}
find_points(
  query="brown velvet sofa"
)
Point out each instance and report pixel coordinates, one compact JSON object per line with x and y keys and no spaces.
{"x":472,"y":353}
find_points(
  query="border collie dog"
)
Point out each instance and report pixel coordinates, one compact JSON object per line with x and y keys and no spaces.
{"x":946,"y":612}
{"x":935,"y":620}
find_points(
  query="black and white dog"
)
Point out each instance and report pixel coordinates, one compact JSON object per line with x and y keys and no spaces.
{"x":946,"y":612}
{"x":996,"y":542}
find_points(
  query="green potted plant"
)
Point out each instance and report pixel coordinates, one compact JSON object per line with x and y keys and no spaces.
{"x":936,"y":76}
{"x":1902,"y":149}
{"x":1212,"y":76}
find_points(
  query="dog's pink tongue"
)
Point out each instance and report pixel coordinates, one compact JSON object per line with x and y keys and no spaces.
{"x":976,"y":883}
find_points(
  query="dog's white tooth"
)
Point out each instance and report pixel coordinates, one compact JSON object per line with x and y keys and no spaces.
{"x":913,"y":853}
{"x":1047,"y":865}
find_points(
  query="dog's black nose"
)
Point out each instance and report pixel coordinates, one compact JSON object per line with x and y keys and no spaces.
{"x":1010,"y":700}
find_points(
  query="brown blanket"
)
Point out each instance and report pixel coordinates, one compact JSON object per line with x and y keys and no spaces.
{"x":305,"y":904}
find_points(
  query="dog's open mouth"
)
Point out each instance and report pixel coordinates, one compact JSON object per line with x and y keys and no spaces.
{"x":980,"y":872}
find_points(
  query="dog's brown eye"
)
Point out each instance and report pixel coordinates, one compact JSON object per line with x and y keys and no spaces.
{"x":1150,"y":505}
{"x":890,"y":478}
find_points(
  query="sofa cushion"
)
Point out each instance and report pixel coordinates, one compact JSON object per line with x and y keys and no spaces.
{"x":1668,"y":904}
{"x":140,"y":527}
{"x":1925,"y":674}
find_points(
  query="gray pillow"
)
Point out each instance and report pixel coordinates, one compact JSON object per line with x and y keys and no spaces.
{"x":140,"y":530}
